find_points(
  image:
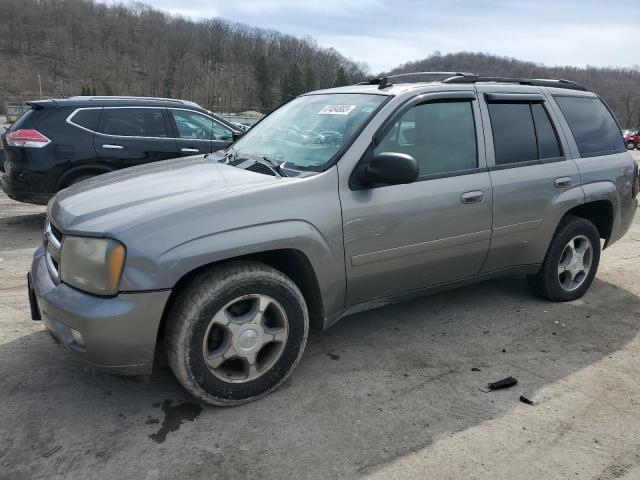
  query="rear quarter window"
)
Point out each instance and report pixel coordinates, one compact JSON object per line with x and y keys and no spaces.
{"x":87,"y":118}
{"x":594,"y":128}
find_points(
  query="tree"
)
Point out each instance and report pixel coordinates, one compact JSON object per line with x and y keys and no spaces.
{"x":309,"y":79}
{"x":263,"y":82}
{"x":292,"y":84}
{"x":341,"y":78}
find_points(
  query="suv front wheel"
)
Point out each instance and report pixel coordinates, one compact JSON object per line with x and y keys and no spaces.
{"x":571,"y":261}
{"x":631,"y":145}
{"x":236,"y":332}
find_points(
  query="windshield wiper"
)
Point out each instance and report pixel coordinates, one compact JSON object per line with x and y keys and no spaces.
{"x":229,"y":155}
{"x":275,"y":166}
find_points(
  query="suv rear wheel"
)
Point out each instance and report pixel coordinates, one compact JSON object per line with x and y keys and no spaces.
{"x":236,"y":333}
{"x":571,"y":261}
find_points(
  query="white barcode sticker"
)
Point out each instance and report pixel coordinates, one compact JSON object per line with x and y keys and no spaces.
{"x":336,"y":110}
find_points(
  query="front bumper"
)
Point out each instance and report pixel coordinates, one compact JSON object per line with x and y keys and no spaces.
{"x":119,"y":333}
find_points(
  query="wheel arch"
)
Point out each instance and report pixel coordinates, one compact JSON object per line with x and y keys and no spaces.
{"x":67,"y":177}
{"x":598,"y":212}
{"x":291,"y":262}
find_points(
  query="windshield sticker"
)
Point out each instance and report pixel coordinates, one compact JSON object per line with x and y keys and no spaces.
{"x":336,"y":109}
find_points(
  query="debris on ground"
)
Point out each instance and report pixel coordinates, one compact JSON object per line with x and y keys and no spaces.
{"x":504,"y":383}
{"x":52,"y":451}
{"x":526,"y":400}
{"x":475,"y":369}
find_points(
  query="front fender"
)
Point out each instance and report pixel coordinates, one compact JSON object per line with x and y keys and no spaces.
{"x":300,"y":235}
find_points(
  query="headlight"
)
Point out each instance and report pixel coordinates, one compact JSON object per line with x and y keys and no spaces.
{"x":92,"y":264}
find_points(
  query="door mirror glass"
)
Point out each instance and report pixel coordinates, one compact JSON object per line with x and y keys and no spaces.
{"x":389,"y":168}
{"x":236,"y":135}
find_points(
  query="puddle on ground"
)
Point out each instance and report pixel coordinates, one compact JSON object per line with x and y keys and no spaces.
{"x":174,"y":416}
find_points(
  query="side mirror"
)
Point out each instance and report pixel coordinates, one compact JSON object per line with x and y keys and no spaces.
{"x":389,"y":168}
{"x":236,"y":135}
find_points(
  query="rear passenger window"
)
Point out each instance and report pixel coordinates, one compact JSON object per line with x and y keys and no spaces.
{"x":595,"y":130}
{"x":134,"y":122}
{"x":522,"y":132}
{"x":548,"y":145}
{"x":514,"y":137}
{"x":87,"y":118}
{"x":441,"y":136}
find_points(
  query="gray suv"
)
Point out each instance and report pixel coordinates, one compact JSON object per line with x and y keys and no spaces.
{"x":340,"y":201}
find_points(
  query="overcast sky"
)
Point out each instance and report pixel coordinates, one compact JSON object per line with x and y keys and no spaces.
{"x":386,"y":33}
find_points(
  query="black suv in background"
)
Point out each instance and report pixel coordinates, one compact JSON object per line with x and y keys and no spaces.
{"x":60,"y":142}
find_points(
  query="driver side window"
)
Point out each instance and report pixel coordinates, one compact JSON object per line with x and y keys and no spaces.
{"x":441,"y":136}
{"x":195,"y":126}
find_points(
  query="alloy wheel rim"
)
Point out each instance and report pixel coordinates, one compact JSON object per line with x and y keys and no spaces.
{"x":245,"y":338}
{"x":575,"y":263}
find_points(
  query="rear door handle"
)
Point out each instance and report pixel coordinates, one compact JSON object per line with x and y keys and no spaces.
{"x":563,"y":182}
{"x":469,"y":198}
{"x":190,"y":150}
{"x":112,"y":147}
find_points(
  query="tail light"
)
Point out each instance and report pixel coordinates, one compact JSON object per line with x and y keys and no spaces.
{"x":27,"y":138}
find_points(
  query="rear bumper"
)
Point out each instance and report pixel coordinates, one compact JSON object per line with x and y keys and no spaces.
{"x":627,"y":214}
{"x":119,"y":333}
{"x":20,"y":192}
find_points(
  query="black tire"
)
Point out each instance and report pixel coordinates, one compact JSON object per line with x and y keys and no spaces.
{"x":546,"y":283}
{"x":191,"y":316}
{"x":631,"y":145}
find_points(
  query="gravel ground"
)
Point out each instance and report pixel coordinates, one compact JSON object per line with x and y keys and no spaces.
{"x":391,"y":393}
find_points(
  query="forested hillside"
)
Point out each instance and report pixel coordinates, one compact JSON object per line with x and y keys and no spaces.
{"x":84,"y":47}
{"x":81,"y":46}
{"x":619,"y":87}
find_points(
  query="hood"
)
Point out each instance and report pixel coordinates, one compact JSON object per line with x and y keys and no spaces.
{"x":114,"y":201}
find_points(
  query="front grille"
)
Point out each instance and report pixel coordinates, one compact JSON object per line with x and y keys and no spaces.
{"x":56,"y":233}
{"x":53,"y":248}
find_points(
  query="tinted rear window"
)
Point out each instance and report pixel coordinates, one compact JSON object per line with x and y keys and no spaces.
{"x":22,"y":121}
{"x":87,"y":118}
{"x":522,"y":132}
{"x":514,"y":137}
{"x":548,"y":144}
{"x":134,"y":122}
{"x":595,"y":130}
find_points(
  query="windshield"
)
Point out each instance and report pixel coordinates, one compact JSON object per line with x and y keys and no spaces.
{"x":308,"y":132}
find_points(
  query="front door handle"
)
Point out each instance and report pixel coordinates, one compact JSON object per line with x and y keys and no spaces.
{"x":469,"y":198}
{"x":112,"y":147}
{"x":190,"y":150}
{"x":563,"y":182}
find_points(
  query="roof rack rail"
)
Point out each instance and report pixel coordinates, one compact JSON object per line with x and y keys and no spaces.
{"x":462,"y":77}
{"x":126,"y":98}
{"x":568,"y":84}
{"x":455,"y":74}
{"x":383,"y":82}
